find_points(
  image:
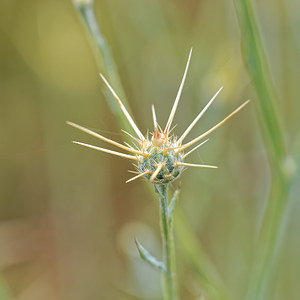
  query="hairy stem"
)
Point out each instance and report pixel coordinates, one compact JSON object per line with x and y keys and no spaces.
{"x":169,"y":276}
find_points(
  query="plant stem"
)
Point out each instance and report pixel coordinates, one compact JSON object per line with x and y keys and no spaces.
{"x":104,"y":59}
{"x":257,"y":65}
{"x":261,"y":286}
{"x":255,"y":60}
{"x":169,"y":276}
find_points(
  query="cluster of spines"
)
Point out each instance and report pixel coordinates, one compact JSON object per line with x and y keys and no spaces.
{"x":160,"y":141}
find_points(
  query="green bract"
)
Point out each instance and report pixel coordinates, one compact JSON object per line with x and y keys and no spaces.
{"x":168,"y":160}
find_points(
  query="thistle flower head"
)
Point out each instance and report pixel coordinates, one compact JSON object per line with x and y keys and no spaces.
{"x":160,"y":159}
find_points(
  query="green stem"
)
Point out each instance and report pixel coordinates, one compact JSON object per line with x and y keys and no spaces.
{"x":169,"y":276}
{"x":282,"y":172}
{"x":256,"y":62}
{"x":104,"y":59}
{"x":261,"y":284}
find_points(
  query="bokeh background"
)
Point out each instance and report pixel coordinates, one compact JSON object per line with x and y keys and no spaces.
{"x":67,"y":218}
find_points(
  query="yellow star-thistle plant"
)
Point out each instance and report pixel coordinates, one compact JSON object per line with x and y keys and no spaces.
{"x":160,"y":160}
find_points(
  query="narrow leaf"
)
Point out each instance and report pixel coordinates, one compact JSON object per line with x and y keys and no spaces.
{"x":150,"y":259}
{"x":172,"y":204}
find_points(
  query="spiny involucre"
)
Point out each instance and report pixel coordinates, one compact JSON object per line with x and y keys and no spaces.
{"x":161,"y":158}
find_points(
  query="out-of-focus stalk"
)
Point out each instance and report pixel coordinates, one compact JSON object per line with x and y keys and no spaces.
{"x":272,"y":132}
{"x":104,"y":59}
{"x":257,"y":66}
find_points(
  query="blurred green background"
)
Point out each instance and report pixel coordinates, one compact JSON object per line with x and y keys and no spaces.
{"x":67,"y":218}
